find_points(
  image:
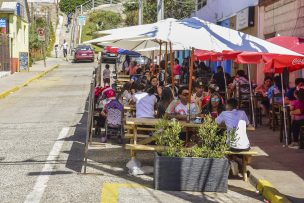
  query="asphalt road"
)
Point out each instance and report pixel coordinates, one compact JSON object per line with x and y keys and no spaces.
{"x":42,"y":134}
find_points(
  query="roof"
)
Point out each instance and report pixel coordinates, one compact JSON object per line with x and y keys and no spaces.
{"x":9,"y":6}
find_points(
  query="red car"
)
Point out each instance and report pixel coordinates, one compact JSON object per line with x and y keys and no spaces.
{"x":84,"y":53}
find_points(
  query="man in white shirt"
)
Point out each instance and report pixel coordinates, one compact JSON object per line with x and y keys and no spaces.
{"x":145,"y":103}
{"x":65,"y":48}
{"x":235,"y":119}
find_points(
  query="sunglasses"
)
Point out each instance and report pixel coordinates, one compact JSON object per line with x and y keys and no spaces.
{"x":215,"y":99}
{"x":185,"y":94}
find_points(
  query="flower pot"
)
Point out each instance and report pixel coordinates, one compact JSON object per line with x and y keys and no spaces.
{"x":190,"y":174}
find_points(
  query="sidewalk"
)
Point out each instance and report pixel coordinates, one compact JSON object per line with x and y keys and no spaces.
{"x":12,"y":82}
{"x":283,"y":167}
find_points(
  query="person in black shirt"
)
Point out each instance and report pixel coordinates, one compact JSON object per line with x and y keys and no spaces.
{"x":219,"y":78}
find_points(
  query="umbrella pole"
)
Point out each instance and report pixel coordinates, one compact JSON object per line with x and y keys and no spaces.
{"x":190,"y":81}
{"x":172,"y":65}
{"x":160,"y":52}
{"x":251,"y":96}
{"x":166,"y":63}
{"x":226,"y":88}
{"x":284,"y":112}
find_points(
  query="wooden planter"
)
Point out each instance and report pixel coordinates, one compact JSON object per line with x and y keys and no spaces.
{"x":190,"y":174}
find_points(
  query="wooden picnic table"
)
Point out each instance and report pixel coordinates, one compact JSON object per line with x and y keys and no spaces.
{"x":123,"y":76}
{"x":135,"y":122}
{"x":123,"y":80}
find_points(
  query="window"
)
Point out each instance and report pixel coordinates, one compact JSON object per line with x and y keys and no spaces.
{"x":201,"y":4}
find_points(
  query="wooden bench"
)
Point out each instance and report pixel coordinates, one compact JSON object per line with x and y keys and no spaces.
{"x":141,"y":147}
{"x":246,"y":155}
{"x":246,"y":159}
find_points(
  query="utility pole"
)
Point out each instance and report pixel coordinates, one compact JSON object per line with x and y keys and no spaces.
{"x":80,"y":31}
{"x":140,"y":12}
{"x":93,"y":4}
{"x":160,"y":10}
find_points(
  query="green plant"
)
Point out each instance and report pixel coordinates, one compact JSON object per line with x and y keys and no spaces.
{"x":209,"y":142}
{"x":99,"y":20}
{"x":173,"y":9}
{"x":68,"y":6}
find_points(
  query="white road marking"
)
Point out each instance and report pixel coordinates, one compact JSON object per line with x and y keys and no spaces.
{"x":41,"y":183}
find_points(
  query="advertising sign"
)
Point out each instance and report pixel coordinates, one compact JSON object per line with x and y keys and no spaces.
{"x":23,"y":61}
{"x":3,"y":23}
{"x":242,"y":19}
{"x":81,"y":20}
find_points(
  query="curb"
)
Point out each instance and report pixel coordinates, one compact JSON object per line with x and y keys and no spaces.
{"x":265,"y":188}
{"x":17,"y":87}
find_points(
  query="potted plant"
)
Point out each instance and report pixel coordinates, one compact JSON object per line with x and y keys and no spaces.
{"x":202,"y":167}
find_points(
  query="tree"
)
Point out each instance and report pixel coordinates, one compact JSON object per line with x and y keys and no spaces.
{"x":68,"y":6}
{"x":100,"y":20}
{"x":173,"y":9}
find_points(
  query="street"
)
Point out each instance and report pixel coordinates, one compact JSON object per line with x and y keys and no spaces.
{"x":31,"y":120}
{"x":43,"y":128}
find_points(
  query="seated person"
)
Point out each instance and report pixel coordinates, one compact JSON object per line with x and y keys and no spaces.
{"x":289,"y":95}
{"x":179,"y":108}
{"x":262,"y":90}
{"x":211,"y":90}
{"x":145,"y":102}
{"x":214,"y":106}
{"x":275,"y":89}
{"x":297,"y":115}
{"x":165,"y":99}
{"x":240,"y":79}
{"x":235,"y":119}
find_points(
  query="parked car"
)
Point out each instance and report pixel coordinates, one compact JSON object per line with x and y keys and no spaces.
{"x":83,"y":53}
{"x":109,"y":55}
{"x":141,"y":60}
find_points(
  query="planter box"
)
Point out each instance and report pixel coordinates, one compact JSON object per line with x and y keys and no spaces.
{"x":190,"y":174}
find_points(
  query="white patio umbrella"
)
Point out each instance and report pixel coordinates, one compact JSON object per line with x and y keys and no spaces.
{"x":191,"y":33}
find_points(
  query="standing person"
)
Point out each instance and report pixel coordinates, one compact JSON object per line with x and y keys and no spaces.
{"x":132,"y":68}
{"x":220,"y":80}
{"x":106,"y":75}
{"x":177,"y":70}
{"x":65,"y":48}
{"x":297,"y":114}
{"x":56,"y":50}
{"x":126,"y":63}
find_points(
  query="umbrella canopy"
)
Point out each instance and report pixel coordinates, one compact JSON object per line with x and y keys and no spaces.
{"x":197,"y":33}
{"x":295,"y":44}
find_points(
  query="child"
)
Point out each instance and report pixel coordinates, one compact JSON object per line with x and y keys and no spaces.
{"x":106,"y":75}
{"x":297,"y":115}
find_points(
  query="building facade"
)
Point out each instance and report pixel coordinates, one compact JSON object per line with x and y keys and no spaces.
{"x":235,"y":14}
{"x":14,"y":35}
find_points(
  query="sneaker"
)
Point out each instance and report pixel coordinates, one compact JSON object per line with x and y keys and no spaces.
{"x":234,"y":168}
{"x":104,"y":139}
{"x":294,"y":144}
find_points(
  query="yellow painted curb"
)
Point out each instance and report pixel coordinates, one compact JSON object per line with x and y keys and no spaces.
{"x":110,"y":191}
{"x":270,"y":193}
{"x":17,"y":87}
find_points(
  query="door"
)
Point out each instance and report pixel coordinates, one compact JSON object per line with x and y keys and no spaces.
{"x":5,"y":59}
